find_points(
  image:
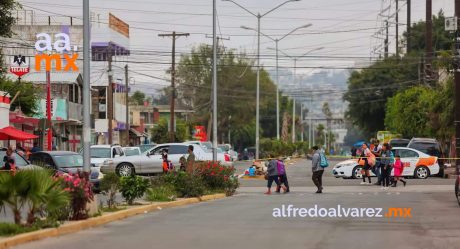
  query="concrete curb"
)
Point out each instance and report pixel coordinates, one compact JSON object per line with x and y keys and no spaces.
{"x":253,"y":177}
{"x":97,"y":221}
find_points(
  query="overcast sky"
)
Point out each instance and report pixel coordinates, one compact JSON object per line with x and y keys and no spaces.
{"x":343,"y":27}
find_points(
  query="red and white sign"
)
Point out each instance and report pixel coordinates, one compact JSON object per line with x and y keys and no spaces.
{"x":19,"y":66}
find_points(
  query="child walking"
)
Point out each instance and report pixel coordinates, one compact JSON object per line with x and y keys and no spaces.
{"x":398,"y":169}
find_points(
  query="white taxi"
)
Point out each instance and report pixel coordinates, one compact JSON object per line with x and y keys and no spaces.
{"x":416,"y":164}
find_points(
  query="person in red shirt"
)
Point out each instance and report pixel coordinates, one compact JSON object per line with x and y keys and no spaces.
{"x":398,"y":169}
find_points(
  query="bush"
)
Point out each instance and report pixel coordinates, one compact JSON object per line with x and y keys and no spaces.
{"x":185,"y":185}
{"x":80,"y":189}
{"x":277,"y":148}
{"x":110,"y":185}
{"x":217,"y":177}
{"x":7,"y":229}
{"x":161,"y":193}
{"x":133,"y":187}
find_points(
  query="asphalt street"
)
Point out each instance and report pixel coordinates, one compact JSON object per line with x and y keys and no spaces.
{"x":247,"y":219}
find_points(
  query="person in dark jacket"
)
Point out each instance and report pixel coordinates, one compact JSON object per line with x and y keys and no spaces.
{"x":317,"y":170}
{"x":272,"y":172}
{"x":386,"y":162}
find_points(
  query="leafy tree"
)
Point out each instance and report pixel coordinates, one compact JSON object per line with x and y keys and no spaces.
{"x":319,"y":137}
{"x":369,"y":89}
{"x":442,"y":40}
{"x":160,"y":132}
{"x":137,"y":98}
{"x":408,"y":112}
{"x":442,"y":111}
{"x":7,"y":21}
{"x":28,"y":96}
{"x":236,"y":92}
{"x":423,"y":111}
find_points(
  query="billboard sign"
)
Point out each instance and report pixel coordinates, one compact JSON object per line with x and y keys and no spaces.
{"x":19,"y":66}
{"x":44,"y":45}
{"x":118,"y":25}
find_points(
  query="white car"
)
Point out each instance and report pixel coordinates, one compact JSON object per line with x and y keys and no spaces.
{"x":151,"y":161}
{"x":416,"y":164}
{"x":100,"y":153}
{"x":132,"y":151}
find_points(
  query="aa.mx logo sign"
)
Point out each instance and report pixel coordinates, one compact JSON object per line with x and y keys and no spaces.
{"x":61,"y":46}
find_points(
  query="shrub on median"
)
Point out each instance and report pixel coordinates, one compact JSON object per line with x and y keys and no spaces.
{"x":110,"y":185}
{"x":133,"y":187}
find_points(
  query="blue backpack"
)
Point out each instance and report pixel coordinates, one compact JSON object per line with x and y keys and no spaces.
{"x":323,"y":161}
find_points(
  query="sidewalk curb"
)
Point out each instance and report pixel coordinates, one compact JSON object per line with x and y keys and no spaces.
{"x":101,"y":220}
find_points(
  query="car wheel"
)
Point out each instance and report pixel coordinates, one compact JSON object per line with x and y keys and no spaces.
{"x":421,"y":172}
{"x":356,"y":174}
{"x":457,"y":190}
{"x":125,"y":169}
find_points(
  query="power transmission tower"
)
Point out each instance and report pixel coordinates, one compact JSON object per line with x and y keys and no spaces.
{"x":172,"y":128}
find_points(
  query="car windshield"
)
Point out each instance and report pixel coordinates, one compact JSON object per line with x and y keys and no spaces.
{"x":146,"y":147}
{"x":100,"y":153}
{"x":207,"y":145}
{"x":19,"y":160}
{"x":397,"y":143}
{"x":427,"y":148}
{"x":131,"y":151}
{"x":68,"y":161}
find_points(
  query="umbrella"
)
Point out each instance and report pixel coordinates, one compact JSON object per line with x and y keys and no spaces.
{"x":11,"y":133}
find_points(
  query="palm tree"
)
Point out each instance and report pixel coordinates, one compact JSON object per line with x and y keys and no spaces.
{"x":45,"y":193}
{"x":37,"y":188}
{"x":13,"y":192}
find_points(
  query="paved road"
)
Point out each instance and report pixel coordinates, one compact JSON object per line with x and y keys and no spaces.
{"x":246,"y":220}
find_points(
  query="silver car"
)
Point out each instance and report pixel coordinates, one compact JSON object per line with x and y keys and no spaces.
{"x":150,"y":161}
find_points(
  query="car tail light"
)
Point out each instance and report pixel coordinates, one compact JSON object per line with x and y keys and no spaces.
{"x":227,"y":157}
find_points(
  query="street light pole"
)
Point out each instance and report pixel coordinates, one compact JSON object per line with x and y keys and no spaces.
{"x":86,"y":89}
{"x":258,"y":85}
{"x":293,"y":103}
{"x":277,"y":67}
{"x":258,"y":16}
{"x":214,"y":83}
{"x":277,"y":95}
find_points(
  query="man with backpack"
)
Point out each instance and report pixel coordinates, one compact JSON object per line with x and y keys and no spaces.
{"x":319,"y":162}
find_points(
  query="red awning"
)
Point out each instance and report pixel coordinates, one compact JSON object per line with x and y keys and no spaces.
{"x":11,"y":133}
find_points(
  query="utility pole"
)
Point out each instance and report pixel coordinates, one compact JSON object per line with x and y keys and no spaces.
{"x":429,"y":41}
{"x":293,"y":103}
{"x":127,"y":104}
{"x":457,"y":90}
{"x":109,"y":98}
{"x":301,"y":122}
{"x":408,"y":26}
{"x":386,"y":39}
{"x":86,"y":89}
{"x":172,"y":128}
{"x":397,"y":29}
{"x":215,"y":43}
